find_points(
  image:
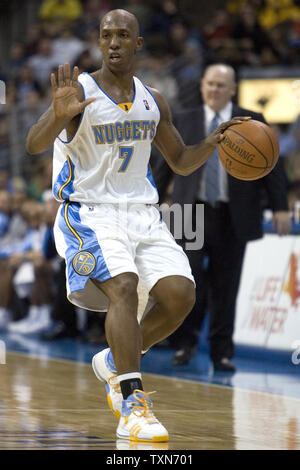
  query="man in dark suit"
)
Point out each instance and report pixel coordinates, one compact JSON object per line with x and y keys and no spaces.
{"x":232,"y":217}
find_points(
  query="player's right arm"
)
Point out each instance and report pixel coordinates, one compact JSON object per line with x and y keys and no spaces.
{"x":64,"y":113}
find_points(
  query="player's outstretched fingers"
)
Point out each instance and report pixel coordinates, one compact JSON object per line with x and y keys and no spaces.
{"x":61,"y":81}
{"x":53,"y":81}
{"x":75,"y":75}
{"x":67,"y":75}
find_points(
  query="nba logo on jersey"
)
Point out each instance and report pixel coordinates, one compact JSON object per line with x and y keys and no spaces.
{"x":146,"y":104}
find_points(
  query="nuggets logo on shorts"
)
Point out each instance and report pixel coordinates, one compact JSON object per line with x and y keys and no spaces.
{"x":84,"y":263}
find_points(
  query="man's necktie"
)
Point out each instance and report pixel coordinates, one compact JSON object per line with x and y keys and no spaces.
{"x":212,"y":169}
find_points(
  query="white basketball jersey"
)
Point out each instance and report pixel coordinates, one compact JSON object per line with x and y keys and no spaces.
{"x":107,"y":160}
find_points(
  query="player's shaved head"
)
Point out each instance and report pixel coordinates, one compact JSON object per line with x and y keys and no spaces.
{"x":119,"y":41}
{"x":119,"y":16}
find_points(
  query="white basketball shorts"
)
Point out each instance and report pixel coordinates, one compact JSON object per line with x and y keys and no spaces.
{"x":103,"y":240}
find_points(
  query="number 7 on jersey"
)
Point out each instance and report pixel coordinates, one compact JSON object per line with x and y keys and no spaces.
{"x":125,"y":153}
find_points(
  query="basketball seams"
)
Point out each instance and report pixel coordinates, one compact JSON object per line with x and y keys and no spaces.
{"x":261,"y":127}
{"x":245,"y":178}
{"x":249,"y":142}
{"x":243,"y":163}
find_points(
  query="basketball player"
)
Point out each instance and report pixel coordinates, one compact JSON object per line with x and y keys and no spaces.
{"x":102,"y":126}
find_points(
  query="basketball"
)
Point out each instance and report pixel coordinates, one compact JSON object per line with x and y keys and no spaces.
{"x":249,"y":151}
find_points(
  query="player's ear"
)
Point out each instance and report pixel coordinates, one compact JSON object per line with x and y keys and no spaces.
{"x":139,"y":43}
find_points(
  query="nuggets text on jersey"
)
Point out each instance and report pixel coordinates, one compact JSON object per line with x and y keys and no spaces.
{"x":124,"y":131}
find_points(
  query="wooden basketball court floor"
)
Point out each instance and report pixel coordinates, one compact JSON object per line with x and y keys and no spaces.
{"x":58,"y":404}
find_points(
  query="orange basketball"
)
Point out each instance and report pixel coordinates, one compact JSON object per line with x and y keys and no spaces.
{"x":249,"y":150}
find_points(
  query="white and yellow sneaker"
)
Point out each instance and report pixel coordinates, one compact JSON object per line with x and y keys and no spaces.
{"x":105,"y":371}
{"x":137,"y":422}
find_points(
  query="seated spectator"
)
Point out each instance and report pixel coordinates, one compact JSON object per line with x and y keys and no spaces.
{"x":274,"y":12}
{"x":178,"y":35}
{"x":229,"y":53}
{"x":41,"y":178}
{"x":13,"y":237}
{"x":67,"y":47}
{"x":86,"y":63}
{"x":25,"y":83}
{"x":142,"y":11}
{"x":33,"y":36}
{"x":91,"y":45}
{"x":93,"y":11}
{"x":164,"y":14}
{"x":248,"y":31}
{"x":43,"y":62}
{"x":15,"y":61}
{"x":218,"y":29}
{"x":31,"y":109}
{"x":30,"y":271}
{"x":17,"y":226}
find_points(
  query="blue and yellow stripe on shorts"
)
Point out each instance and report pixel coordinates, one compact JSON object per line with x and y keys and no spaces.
{"x":63,"y":186}
{"x":80,"y":240}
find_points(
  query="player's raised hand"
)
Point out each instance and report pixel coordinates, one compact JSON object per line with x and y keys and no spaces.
{"x":218,"y":135}
{"x":66,"y":103}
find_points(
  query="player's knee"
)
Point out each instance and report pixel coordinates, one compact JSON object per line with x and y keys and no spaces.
{"x":182,"y":298}
{"x":125,"y":290}
{"x":188,"y":298}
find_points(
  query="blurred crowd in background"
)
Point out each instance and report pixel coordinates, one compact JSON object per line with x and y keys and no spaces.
{"x":178,"y":45}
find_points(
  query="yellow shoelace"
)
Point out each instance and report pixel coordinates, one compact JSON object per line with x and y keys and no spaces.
{"x":142,"y":407}
{"x":115,"y":385}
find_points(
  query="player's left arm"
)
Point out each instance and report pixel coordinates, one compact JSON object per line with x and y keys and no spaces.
{"x":184,"y":159}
